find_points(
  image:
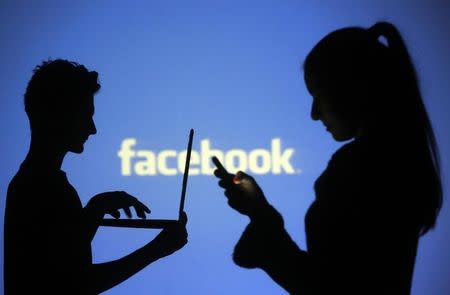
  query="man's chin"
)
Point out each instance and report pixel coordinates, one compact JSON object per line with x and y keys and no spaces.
{"x":77,"y":149}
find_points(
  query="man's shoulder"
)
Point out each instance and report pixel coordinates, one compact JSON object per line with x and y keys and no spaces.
{"x":26,"y":180}
{"x":32,"y":186}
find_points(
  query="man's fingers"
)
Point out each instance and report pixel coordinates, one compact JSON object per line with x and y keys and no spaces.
{"x":115,"y":214}
{"x":182,"y":235}
{"x":184,"y":239}
{"x":127,"y":211}
{"x":183,"y":218}
{"x":146,"y":209}
{"x":126,"y":196}
{"x":140,"y":212}
{"x":114,"y":201}
{"x":141,"y":209}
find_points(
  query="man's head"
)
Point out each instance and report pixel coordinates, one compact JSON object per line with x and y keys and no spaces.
{"x":59,"y":103}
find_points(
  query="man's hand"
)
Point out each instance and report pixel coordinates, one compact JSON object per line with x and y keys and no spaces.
{"x":243,"y":193}
{"x":112,"y":202}
{"x":172,"y":238}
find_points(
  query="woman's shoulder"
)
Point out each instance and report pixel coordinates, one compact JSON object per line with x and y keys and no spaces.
{"x":373,"y":166}
{"x":365,"y":152}
{"x":357,"y":165}
{"x":348,"y":157}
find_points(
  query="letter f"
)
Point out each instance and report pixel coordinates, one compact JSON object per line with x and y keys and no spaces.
{"x":125,"y":154}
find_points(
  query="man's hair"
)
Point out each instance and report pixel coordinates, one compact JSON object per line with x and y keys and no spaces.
{"x":56,"y":86}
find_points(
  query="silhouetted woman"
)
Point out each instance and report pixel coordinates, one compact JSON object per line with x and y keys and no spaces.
{"x":379,"y":193}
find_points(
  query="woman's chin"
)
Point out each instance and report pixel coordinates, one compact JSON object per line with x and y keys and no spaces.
{"x":340,"y":137}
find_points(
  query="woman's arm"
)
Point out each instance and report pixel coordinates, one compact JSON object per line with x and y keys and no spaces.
{"x":267,"y":245}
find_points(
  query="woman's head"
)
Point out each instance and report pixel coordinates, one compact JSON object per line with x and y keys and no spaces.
{"x":346,"y":73}
{"x":362,"y":85}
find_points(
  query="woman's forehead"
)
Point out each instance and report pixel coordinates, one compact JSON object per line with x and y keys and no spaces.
{"x":321,"y":83}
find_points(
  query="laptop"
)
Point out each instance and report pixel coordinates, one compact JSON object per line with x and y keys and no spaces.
{"x":157,"y":223}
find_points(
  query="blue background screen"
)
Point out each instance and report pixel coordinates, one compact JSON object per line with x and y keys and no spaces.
{"x":232,"y":70}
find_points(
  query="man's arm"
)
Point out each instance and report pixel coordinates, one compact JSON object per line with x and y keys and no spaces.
{"x":104,"y":276}
{"x":109,"y":203}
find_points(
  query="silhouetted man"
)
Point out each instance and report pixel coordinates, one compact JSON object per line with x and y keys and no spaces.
{"x":48,"y":233}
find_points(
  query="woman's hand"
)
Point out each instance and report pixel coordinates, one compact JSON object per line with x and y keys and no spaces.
{"x":112,"y":202}
{"x":243,"y":193}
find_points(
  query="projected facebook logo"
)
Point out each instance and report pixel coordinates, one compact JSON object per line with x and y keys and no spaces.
{"x":141,"y":162}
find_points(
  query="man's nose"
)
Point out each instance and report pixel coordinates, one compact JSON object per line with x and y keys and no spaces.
{"x":315,"y":114}
{"x":92,"y":128}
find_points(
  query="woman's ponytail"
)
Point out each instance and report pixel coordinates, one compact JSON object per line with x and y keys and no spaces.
{"x":414,"y":114}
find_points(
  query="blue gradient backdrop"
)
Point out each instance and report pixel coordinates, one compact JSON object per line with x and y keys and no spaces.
{"x":231,"y":70}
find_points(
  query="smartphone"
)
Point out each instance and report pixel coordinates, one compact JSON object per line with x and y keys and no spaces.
{"x":235,"y":178}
